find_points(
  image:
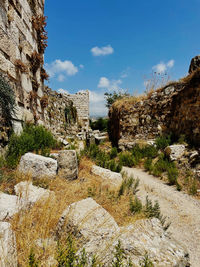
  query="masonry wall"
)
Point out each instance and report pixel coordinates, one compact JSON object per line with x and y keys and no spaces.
{"x":172,"y":109}
{"x":18,"y":42}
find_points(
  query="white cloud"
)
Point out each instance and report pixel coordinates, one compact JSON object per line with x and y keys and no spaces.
{"x":111,"y":85}
{"x":61,"y":68}
{"x":102,"y":51}
{"x":61,"y":77}
{"x":163,"y":67}
{"x":97,"y":104}
{"x":62,"y":91}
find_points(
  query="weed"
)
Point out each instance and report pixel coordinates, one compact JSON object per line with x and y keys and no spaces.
{"x":32,"y":261}
{"x":146,"y":262}
{"x":119,"y":256}
{"x":135,"y":206}
{"x":148,"y":165}
{"x":113,"y":153}
{"x":163,"y":141}
{"x":193,"y":187}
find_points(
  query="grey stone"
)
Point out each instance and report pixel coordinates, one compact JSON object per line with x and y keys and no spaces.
{"x":8,"y":248}
{"x":175,"y":152}
{"x":109,"y":177}
{"x":67,"y":164}
{"x":38,"y":166}
{"x":9,"y":205}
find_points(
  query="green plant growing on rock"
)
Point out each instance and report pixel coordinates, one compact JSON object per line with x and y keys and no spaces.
{"x":163,"y":141}
{"x":135,"y":206}
{"x":146,"y":262}
{"x":7,"y":101}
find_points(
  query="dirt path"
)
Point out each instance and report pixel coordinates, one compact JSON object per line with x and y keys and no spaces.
{"x":181,"y":210}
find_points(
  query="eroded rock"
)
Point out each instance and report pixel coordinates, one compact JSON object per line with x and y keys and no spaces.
{"x":175,"y":152}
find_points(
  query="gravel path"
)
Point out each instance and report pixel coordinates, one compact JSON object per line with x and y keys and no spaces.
{"x":181,"y":210}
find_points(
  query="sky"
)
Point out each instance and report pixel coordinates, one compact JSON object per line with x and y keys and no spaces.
{"x":114,"y":45}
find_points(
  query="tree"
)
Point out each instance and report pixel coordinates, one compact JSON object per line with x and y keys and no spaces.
{"x":112,"y":97}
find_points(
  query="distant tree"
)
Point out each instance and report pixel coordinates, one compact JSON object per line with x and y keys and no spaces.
{"x":101,"y":124}
{"x":112,"y":97}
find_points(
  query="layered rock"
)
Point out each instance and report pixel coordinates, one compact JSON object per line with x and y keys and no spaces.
{"x":38,"y":166}
{"x":99,"y":234}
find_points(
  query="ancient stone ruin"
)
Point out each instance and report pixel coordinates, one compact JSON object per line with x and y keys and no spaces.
{"x":23,"y":40}
{"x":174,"y":108}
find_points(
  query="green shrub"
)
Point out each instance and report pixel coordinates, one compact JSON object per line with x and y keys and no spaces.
{"x":149,"y":151}
{"x":113,"y":153}
{"x":33,"y":138}
{"x":172,"y":174}
{"x":101,"y":124}
{"x":146,"y":262}
{"x":128,"y":185}
{"x":163,"y":141}
{"x":193,"y":187}
{"x":148,"y":164}
{"x":136,"y":205}
{"x":126,"y":159}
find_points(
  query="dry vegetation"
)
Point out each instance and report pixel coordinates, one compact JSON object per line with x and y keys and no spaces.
{"x":41,"y":220}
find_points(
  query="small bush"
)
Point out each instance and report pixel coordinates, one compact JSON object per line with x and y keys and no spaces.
{"x":146,"y":262}
{"x":113,"y":153}
{"x":129,"y":185}
{"x":163,"y":141}
{"x":126,"y":159}
{"x":148,"y":165}
{"x":136,"y":205}
{"x":172,"y":174}
{"x":193,"y":187}
{"x":33,"y":138}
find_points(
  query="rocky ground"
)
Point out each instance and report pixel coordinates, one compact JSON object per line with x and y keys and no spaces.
{"x":182,"y":211}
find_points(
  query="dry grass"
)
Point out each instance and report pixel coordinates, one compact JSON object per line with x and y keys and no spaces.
{"x":127,"y":102}
{"x":41,"y":220}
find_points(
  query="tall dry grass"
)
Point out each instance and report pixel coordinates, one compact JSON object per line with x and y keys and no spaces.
{"x":39,"y":223}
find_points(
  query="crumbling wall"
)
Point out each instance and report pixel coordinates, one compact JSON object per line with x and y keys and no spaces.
{"x":20,"y":45}
{"x":65,"y":114}
{"x":172,"y":109}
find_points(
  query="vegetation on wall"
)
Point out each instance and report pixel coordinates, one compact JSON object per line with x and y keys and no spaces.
{"x":20,"y":66}
{"x":70,"y":114}
{"x":112,"y":97}
{"x":39,"y":24}
{"x":7,"y":100}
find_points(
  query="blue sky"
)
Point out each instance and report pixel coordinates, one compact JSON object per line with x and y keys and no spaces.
{"x":106,"y":45}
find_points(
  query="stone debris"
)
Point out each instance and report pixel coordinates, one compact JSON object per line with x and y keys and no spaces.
{"x":111,"y":178}
{"x":8,"y":247}
{"x":67,"y":164}
{"x":38,"y":166}
{"x":99,"y":234}
{"x":9,"y":205}
{"x":175,"y":152}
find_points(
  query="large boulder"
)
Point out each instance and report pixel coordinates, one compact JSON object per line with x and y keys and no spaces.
{"x":175,"y":152}
{"x":110,"y":178}
{"x":67,"y":164}
{"x":38,"y":166}
{"x":87,"y":220}
{"x":99,"y":234}
{"x":195,"y":64}
{"x":8,"y":250}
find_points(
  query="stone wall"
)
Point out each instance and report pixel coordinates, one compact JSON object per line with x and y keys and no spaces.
{"x":174,"y":108}
{"x":66,"y":114}
{"x":19,"y":43}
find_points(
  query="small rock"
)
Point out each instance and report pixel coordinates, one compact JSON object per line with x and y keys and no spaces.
{"x":112,"y":178}
{"x":175,"y":152}
{"x":37,"y":165}
{"x":8,"y":248}
{"x":67,"y":164}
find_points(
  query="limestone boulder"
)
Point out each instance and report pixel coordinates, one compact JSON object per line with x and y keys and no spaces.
{"x":67,"y":164}
{"x":87,"y":220}
{"x":8,"y":248}
{"x":111,"y":178}
{"x":38,"y":166}
{"x":99,"y":234}
{"x":175,"y":152}
{"x":9,"y":205}
{"x":28,"y":194}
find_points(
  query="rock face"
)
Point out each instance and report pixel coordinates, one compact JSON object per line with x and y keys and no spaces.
{"x":195,"y":64}
{"x":99,"y":235}
{"x":174,"y":108}
{"x":67,"y":164}
{"x":175,"y":152}
{"x":37,"y":165}
{"x":8,"y":251}
{"x":112,"y":178}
